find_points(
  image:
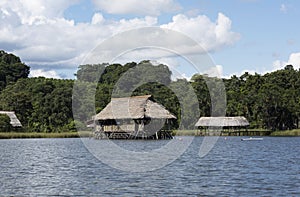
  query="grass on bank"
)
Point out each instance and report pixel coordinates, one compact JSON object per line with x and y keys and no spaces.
{"x":14,"y":135}
{"x":294,"y":132}
{"x":198,"y":132}
{"x":185,"y":133}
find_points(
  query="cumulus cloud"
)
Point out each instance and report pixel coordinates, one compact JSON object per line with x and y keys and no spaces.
{"x":144,"y":7}
{"x":294,"y":59}
{"x":36,"y":31}
{"x":55,"y":41}
{"x":97,"y":19}
{"x":43,"y":73}
{"x":211,"y":35}
{"x":32,"y":11}
{"x":238,"y":74}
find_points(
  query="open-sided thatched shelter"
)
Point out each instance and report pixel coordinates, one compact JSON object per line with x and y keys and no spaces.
{"x":229,"y":125}
{"x":14,"y":121}
{"x":137,"y":117}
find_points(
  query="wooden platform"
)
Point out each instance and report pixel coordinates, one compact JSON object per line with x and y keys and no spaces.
{"x":121,"y":135}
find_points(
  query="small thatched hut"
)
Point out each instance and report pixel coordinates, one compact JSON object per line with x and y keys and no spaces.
{"x":14,"y":121}
{"x":137,"y":117}
{"x":229,"y":125}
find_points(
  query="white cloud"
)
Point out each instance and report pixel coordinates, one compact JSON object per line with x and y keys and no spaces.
{"x":43,"y":73}
{"x":210,"y":35}
{"x":52,"y":41}
{"x":238,"y":74}
{"x":97,"y":18}
{"x":294,"y":60}
{"x":30,"y":11}
{"x":36,"y":31}
{"x":277,"y":64}
{"x":141,"y":7}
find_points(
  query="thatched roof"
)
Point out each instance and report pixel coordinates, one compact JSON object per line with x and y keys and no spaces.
{"x":137,"y":107}
{"x":14,"y":121}
{"x":237,"y":121}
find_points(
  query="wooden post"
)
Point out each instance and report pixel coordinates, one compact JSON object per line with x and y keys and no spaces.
{"x":141,"y":128}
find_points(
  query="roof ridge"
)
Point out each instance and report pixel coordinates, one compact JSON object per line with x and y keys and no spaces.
{"x":142,"y":96}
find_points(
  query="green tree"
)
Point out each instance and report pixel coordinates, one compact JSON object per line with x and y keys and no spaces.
{"x":5,"y":125}
{"x":11,"y":69}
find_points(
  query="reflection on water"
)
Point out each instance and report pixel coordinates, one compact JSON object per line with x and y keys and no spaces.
{"x":233,"y":168}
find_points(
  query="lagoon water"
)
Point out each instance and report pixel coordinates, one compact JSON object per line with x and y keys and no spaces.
{"x":39,"y":167}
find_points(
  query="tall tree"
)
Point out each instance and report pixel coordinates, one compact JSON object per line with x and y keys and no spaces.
{"x":11,"y":69}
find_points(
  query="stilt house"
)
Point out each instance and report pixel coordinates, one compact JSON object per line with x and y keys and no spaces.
{"x":137,"y":117}
{"x":14,"y":121}
{"x":227,"y":125}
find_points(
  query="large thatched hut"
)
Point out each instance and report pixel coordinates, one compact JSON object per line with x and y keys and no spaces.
{"x":227,"y":125}
{"x":137,"y":117}
{"x":14,"y":121}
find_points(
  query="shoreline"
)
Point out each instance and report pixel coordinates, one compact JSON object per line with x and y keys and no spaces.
{"x":25,"y":135}
{"x":260,"y":132}
{"x":287,"y":133}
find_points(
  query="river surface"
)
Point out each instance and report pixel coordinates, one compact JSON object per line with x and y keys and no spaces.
{"x":42,"y":167}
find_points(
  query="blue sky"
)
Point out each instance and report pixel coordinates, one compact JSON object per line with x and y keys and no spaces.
{"x":55,"y":37}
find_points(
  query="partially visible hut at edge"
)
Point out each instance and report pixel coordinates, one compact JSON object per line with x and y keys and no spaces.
{"x":223,"y":125}
{"x":137,"y":117}
{"x":14,"y":121}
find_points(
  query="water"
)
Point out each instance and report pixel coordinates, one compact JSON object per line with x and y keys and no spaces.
{"x":39,"y":167}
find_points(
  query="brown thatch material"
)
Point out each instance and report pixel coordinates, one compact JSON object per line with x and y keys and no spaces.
{"x":14,"y":121}
{"x":137,"y":107}
{"x":238,"y":121}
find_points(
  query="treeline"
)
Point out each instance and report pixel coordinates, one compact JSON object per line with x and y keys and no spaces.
{"x":270,"y":101}
{"x":42,"y":105}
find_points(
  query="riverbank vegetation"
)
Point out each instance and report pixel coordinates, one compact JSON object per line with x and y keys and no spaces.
{"x":270,"y":101}
{"x":197,"y":132}
{"x":86,"y":134}
{"x":16,"y":135}
{"x":293,"y":132}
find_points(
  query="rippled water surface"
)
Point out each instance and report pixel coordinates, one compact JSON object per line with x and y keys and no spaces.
{"x":39,"y":167}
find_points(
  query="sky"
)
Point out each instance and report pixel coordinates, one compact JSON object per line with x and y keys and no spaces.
{"x":55,"y":37}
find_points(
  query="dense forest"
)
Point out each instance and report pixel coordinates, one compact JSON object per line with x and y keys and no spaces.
{"x":270,"y":101}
